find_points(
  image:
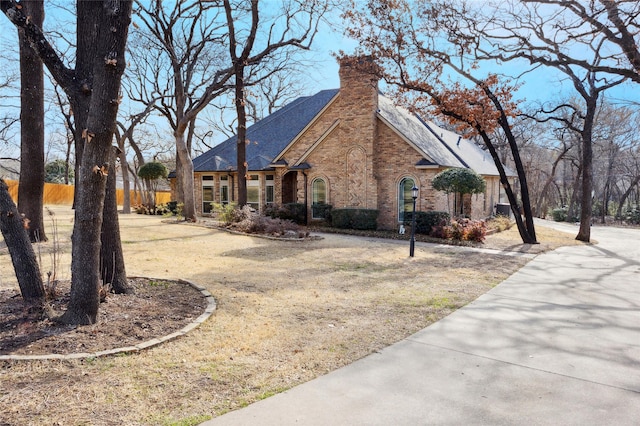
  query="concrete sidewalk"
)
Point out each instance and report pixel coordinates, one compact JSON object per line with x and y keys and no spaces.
{"x":557,"y":343}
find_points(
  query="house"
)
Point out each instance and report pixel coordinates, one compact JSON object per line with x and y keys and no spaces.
{"x":350,"y":148}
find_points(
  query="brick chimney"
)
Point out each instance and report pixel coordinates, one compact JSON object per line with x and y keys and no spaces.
{"x":358,"y":132}
{"x":358,"y":82}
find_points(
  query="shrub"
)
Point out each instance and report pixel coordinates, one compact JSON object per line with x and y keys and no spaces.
{"x":500,"y":223}
{"x":461,"y":230}
{"x":362,"y":219}
{"x":477,"y":231}
{"x":252,"y":222}
{"x":295,"y":212}
{"x":425,"y":221}
{"x":322,"y":211}
{"x":140,"y":209}
{"x":227,"y":213}
{"x":173,"y":207}
{"x":633,"y":216}
{"x":442,"y":230}
{"x":560,"y":214}
{"x":162,"y":210}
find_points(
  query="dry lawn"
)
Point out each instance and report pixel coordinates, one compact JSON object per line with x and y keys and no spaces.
{"x":288,"y":311}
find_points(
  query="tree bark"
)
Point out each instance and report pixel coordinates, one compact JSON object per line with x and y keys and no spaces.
{"x":93,"y":89}
{"x":23,"y":257}
{"x":111,"y":257}
{"x":184,"y":177}
{"x":524,"y":231}
{"x":86,"y":52}
{"x":626,"y":194}
{"x":241,"y":138}
{"x":108,"y":66}
{"x":126,"y":183}
{"x":31,"y":185}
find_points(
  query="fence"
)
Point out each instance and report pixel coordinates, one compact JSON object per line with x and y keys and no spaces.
{"x":63,"y":194}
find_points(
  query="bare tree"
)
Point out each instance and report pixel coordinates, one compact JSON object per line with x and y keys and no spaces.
{"x":9,"y":115}
{"x":93,"y":88}
{"x":546,"y":36}
{"x":194,"y":37}
{"x":414,"y":46}
{"x":69,"y":126}
{"x":112,"y":266}
{"x":261,"y":99}
{"x":21,"y":251}
{"x":124,"y":133}
{"x":613,"y":23}
{"x":31,"y":186}
{"x":179,"y":62}
{"x":274,"y":52}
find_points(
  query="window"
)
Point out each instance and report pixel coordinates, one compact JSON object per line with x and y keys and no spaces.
{"x":270,"y":189}
{"x":253,"y":191}
{"x":405,"y":200}
{"x":224,"y":190}
{"x":207,"y":193}
{"x":318,"y":197}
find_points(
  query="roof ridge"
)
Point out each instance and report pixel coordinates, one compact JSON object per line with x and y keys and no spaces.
{"x":439,"y":138}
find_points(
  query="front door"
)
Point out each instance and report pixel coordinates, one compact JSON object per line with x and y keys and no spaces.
{"x":290,"y":188}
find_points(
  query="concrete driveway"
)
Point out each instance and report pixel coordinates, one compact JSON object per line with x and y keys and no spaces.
{"x":558,"y":343}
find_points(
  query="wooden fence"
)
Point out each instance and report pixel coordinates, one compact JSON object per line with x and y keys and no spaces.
{"x":63,"y":194}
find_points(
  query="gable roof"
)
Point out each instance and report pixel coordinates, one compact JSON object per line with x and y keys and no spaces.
{"x":268,"y":137}
{"x":271,"y":136}
{"x":439,"y":146}
{"x":474,"y":157}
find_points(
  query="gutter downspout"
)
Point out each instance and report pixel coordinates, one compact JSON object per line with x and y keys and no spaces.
{"x":306,"y":201}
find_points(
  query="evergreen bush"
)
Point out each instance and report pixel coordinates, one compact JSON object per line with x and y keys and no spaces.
{"x":295,"y":212}
{"x":559,"y":214}
{"x":425,"y":221}
{"x":362,"y":219}
{"x":322,"y":211}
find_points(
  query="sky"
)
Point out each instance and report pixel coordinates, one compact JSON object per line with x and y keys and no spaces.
{"x":544,"y":84}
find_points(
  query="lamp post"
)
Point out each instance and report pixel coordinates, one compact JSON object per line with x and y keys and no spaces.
{"x":412,"y":241}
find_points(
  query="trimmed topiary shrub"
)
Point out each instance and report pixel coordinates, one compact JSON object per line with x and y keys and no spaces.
{"x":362,"y":219}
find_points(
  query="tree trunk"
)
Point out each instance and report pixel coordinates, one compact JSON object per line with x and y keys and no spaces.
{"x":23,"y":257}
{"x":126,"y":183}
{"x":185,"y":178}
{"x":108,"y":66}
{"x":111,"y":258}
{"x":584,"y":232}
{"x":86,"y":52}
{"x":586,"y":208}
{"x":625,"y":195}
{"x":31,"y":186}
{"x":523,"y":229}
{"x":93,"y":89}
{"x":242,"y":137}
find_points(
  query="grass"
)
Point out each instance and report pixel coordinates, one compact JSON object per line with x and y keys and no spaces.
{"x":287,"y":313}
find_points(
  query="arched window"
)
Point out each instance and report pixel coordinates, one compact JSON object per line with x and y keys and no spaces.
{"x":318,"y":198}
{"x":405,"y":201}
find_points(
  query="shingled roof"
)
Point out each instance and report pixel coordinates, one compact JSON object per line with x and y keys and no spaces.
{"x":271,"y":135}
{"x":439,"y":146}
{"x":268,"y":137}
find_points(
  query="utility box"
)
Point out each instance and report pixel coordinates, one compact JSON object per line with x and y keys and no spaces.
{"x":503,"y":209}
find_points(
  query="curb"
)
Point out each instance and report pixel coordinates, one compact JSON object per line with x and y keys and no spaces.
{"x":208,"y":311}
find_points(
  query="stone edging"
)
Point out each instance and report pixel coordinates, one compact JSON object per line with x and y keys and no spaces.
{"x":211,"y":307}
